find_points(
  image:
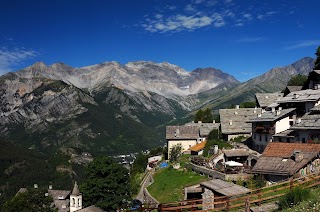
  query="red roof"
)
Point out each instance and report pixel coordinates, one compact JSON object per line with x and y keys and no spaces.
{"x":198,"y":147}
{"x":280,"y":149}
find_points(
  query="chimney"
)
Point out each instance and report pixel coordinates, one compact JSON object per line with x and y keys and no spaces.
{"x":295,"y":96}
{"x":280,"y":108}
{"x":199,"y":122}
{"x":298,"y":120}
{"x":298,"y":156}
{"x":273,"y":109}
{"x":259,"y":115}
{"x":278,"y":112}
{"x":316,"y":86}
{"x":263,"y":111}
{"x":214,"y":121}
{"x":235,"y":112}
{"x":237,"y":106}
{"x":230,"y":122}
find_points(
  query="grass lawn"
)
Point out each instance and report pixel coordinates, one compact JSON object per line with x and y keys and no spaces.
{"x":169,"y":183}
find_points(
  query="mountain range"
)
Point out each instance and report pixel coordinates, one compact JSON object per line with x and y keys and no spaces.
{"x":111,"y":108}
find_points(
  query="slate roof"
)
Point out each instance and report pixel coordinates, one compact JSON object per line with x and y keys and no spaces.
{"x":198,"y":147}
{"x":237,"y":152}
{"x":286,"y":133}
{"x":269,"y":116}
{"x":59,"y":194}
{"x":309,"y":121}
{"x":205,"y":128}
{"x":294,"y":88}
{"x":239,"y":118}
{"x":308,"y":95}
{"x":225,"y":188}
{"x":75,"y":190}
{"x":277,"y":158}
{"x":266,"y":99}
{"x":182,"y":132}
{"x":91,"y":208}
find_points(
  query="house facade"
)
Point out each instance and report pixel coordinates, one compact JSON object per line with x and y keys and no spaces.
{"x":189,"y":135}
{"x":268,"y":123}
{"x":281,"y":161}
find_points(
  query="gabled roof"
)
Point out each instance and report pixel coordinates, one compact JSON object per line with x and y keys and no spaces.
{"x":266,"y":99}
{"x":225,"y":188}
{"x":269,"y":116}
{"x":234,"y":121}
{"x":308,"y":95}
{"x":237,"y":152}
{"x":277,"y":158}
{"x":59,"y":194}
{"x":205,"y":128}
{"x":198,"y":147}
{"x":294,"y":88}
{"x":182,"y":132}
{"x":309,"y":121}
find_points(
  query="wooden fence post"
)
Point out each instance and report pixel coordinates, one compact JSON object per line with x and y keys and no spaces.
{"x":160,"y":208}
{"x":291,"y":184}
{"x":227,"y":204}
{"x":247,"y":205}
{"x":259,"y":197}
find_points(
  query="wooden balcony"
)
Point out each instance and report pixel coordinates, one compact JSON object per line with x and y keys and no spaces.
{"x":264,"y":130}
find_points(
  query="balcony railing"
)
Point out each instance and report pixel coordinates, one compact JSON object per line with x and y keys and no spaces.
{"x":264,"y":130}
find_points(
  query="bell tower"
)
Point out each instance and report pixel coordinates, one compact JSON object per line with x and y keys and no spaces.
{"x":75,"y":199}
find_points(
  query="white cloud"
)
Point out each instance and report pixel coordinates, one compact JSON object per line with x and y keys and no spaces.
{"x":13,"y":57}
{"x":302,"y":44}
{"x":250,"y":39}
{"x":189,"y":8}
{"x":199,"y":1}
{"x":183,"y":22}
{"x":247,"y":16}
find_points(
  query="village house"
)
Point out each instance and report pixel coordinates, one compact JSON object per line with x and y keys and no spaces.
{"x":268,"y":123}
{"x":302,"y":100}
{"x":266,"y":100}
{"x":189,"y":135}
{"x":307,"y":128}
{"x":281,"y":161}
{"x":208,"y":191}
{"x":234,"y":122}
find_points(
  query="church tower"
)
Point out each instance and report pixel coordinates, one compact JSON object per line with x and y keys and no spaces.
{"x":75,"y":199}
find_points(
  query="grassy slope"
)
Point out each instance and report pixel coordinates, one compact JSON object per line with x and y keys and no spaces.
{"x":169,"y":183}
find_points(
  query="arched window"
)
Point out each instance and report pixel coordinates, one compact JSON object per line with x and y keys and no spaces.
{"x":79,"y":202}
{"x":73,"y":202}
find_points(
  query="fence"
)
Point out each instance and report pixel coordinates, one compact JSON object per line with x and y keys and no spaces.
{"x":257,"y":197}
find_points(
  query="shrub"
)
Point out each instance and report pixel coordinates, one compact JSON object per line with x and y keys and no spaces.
{"x":293,"y":197}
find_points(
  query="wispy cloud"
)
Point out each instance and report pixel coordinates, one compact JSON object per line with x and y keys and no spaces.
{"x":196,"y":14}
{"x":10,"y":58}
{"x":302,"y":44}
{"x":250,"y":39}
{"x":183,"y":22}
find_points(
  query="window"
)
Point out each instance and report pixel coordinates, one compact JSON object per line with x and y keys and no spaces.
{"x":79,"y":202}
{"x":288,"y":140}
{"x":303,"y":140}
{"x":266,"y":138}
{"x":73,"y":202}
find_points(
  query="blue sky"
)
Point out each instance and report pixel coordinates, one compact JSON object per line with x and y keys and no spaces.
{"x":244,"y":38}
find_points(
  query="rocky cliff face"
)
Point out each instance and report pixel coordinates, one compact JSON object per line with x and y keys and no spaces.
{"x":61,"y":106}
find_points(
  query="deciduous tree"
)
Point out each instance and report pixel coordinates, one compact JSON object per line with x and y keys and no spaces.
{"x":107,"y":184}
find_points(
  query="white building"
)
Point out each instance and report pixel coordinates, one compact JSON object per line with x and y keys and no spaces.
{"x":268,"y":123}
